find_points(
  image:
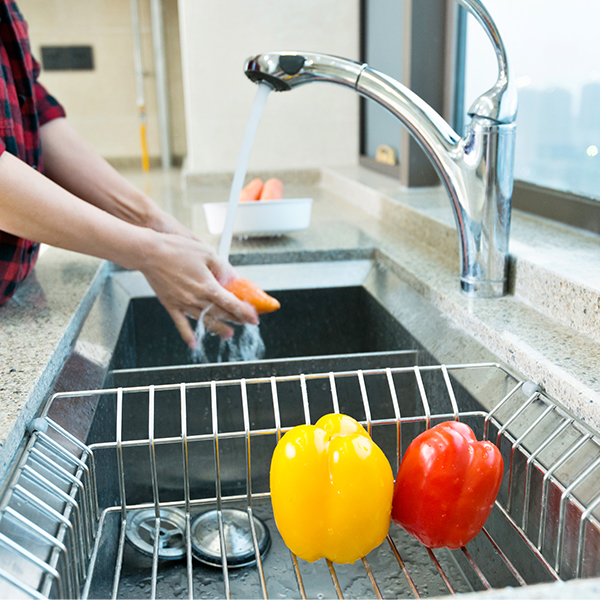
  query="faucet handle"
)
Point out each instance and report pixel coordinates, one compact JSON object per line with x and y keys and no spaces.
{"x":499,"y":103}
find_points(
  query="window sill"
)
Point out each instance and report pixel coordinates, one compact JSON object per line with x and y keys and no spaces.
{"x":564,"y":207}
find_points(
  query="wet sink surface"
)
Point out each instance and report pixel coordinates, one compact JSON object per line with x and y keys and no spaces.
{"x":310,"y":322}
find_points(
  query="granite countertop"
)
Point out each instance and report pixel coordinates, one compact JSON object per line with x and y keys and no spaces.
{"x":36,"y":329}
{"x":547,"y":328}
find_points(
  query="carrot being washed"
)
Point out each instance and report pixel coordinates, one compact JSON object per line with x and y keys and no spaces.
{"x":272,"y":190}
{"x":252,"y":191}
{"x":248,"y":291}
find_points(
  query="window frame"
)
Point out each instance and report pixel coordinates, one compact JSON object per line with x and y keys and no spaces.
{"x":573,"y":209}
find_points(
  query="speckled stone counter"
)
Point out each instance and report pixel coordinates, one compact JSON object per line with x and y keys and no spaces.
{"x":36,"y":329}
{"x":546,"y":328}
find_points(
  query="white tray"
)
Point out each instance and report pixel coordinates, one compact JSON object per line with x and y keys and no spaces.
{"x":261,"y":218}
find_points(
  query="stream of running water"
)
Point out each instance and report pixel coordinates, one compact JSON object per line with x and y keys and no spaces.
{"x":246,"y":344}
{"x":242,"y":166}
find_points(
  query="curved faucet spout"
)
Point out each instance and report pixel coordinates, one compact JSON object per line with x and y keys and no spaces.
{"x":477,"y":170}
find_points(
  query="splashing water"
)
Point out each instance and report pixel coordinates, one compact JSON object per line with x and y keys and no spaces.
{"x":246,"y":344}
{"x":199,"y":353}
{"x":242,"y":165}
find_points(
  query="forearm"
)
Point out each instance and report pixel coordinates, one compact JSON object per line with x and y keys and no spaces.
{"x":74,"y":165}
{"x":35,"y":208}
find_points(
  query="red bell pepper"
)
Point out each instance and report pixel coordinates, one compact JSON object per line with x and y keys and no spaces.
{"x":447,"y":485}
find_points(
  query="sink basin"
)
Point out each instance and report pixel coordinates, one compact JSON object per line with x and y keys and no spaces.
{"x":121,"y":464}
{"x":310,"y":322}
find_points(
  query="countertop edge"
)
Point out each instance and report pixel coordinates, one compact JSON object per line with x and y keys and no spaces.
{"x":39,"y":390}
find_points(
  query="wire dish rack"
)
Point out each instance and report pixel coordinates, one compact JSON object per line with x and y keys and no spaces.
{"x":165,"y":467}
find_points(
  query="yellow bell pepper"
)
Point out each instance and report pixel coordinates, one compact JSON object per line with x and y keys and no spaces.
{"x":331,"y":490}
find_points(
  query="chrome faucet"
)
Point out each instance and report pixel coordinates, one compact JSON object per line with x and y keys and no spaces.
{"x":477,"y":169}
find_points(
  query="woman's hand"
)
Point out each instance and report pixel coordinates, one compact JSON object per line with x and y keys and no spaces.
{"x":186,"y":275}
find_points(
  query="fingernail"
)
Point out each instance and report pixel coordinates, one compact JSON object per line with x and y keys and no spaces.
{"x":192,"y":344}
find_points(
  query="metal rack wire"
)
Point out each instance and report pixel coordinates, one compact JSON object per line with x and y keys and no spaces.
{"x":540,"y":500}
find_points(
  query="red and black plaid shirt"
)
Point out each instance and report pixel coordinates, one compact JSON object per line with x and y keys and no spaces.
{"x":24,"y":107}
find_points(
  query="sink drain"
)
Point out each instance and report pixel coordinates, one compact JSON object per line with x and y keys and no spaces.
{"x":141,"y":532}
{"x":206,"y":546}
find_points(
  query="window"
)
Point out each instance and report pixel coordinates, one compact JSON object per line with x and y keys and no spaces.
{"x":554,"y":53}
{"x":553,"y":48}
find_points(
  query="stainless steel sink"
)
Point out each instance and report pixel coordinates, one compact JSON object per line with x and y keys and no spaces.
{"x":136,"y":441}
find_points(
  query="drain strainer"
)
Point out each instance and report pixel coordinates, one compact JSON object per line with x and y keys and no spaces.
{"x":141,"y":532}
{"x":206,"y":546}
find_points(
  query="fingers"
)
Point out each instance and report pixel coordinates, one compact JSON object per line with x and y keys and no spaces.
{"x":226,"y":307}
{"x":213,"y":324}
{"x":221,"y":269}
{"x":214,"y":317}
{"x":229,"y":307}
{"x":186,"y":276}
{"x":217,"y":327}
{"x":183,"y":326}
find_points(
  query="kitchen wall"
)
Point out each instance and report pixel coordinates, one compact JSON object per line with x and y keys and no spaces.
{"x":101,"y":104}
{"x":307,"y":128}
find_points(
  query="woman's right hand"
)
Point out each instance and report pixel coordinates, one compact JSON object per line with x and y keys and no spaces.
{"x":188,"y":277}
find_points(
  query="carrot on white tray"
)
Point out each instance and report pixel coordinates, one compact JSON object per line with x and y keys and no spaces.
{"x":272,"y":189}
{"x":252,"y":191}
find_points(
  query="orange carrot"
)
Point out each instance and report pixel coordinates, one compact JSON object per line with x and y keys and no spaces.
{"x":272,"y":190}
{"x":252,"y":191}
{"x":248,"y":291}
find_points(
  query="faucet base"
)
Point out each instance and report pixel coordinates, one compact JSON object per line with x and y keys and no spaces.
{"x":482,"y":289}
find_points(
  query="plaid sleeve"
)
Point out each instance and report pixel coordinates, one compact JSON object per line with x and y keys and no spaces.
{"x":47,"y":106}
